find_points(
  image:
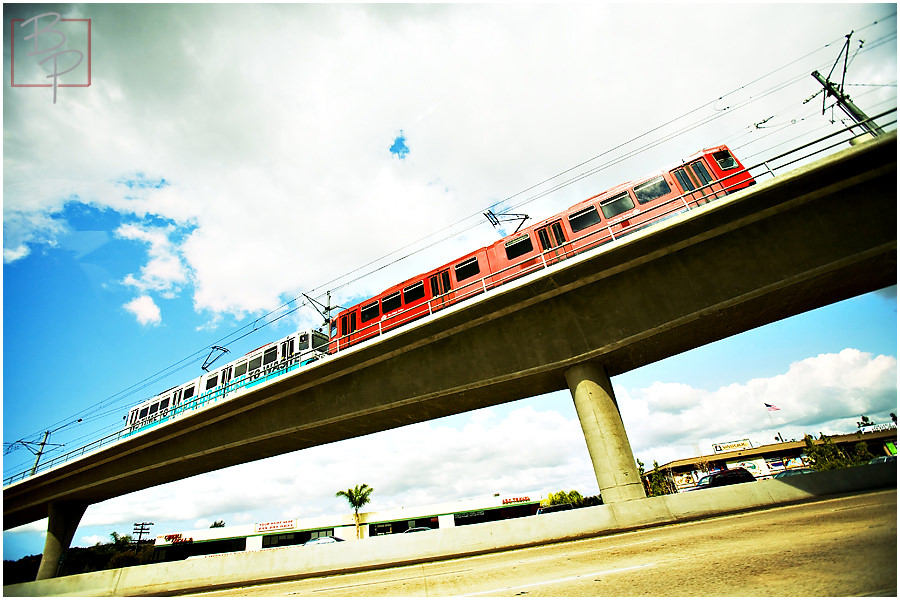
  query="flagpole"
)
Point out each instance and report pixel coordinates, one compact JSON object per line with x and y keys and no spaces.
{"x":769,"y":409}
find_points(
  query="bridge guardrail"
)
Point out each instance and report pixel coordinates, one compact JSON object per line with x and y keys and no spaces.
{"x":576,"y":247}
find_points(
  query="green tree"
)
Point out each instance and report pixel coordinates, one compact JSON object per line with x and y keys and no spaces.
{"x":357,"y":497}
{"x":121,"y":552}
{"x":572,"y":497}
{"x":642,"y":475}
{"x":217,"y":524}
{"x":824,"y":456}
{"x":658,"y":483}
{"x":120,"y":542}
{"x":828,"y":456}
{"x":861,"y":453}
{"x":128,"y":558}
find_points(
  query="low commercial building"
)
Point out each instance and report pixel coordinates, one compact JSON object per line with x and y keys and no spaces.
{"x":765,"y":461}
{"x":292,"y":532}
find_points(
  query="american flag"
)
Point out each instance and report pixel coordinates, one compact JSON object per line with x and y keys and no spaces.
{"x":771,"y":406}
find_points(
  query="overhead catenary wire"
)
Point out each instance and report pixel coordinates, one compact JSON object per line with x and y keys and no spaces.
{"x":230,"y":338}
{"x":477,"y":216}
{"x":111,"y":404}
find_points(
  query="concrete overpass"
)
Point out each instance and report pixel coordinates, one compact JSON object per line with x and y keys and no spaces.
{"x":820,"y":234}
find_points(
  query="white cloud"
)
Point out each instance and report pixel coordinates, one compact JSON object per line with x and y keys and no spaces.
{"x":93,"y":540}
{"x":164,"y":273}
{"x":415,"y":465}
{"x":145,"y":310}
{"x":279,"y":179}
{"x":523,"y":451}
{"x":826,"y":393}
{"x":23,"y":229}
{"x":279,"y":162}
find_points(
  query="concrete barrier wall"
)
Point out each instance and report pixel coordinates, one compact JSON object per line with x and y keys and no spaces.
{"x":298,"y":561}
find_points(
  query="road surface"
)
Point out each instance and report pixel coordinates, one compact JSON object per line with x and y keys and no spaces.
{"x":843,"y":546}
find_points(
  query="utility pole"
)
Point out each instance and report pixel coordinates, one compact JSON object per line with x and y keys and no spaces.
{"x":847,"y":106}
{"x":140,"y":529}
{"x":843,"y":99}
{"x":323,"y":309}
{"x":40,"y":446}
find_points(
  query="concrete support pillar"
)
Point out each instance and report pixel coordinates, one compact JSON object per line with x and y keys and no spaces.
{"x":62,"y":523}
{"x":614,"y":464}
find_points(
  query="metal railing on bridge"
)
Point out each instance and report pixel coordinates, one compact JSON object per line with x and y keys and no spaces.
{"x":572,"y":248}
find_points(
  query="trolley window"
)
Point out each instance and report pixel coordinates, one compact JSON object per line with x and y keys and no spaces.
{"x":164,"y":404}
{"x":616,"y":205}
{"x":241,"y":369}
{"x":684,"y":180}
{"x":270,"y":355}
{"x":154,"y":407}
{"x":584,"y":219}
{"x":369,"y":312}
{"x":320,"y":341}
{"x":467,"y":268}
{"x":651,"y":190}
{"x":552,"y":236}
{"x":254,"y":363}
{"x":390,"y":303}
{"x":414,"y":292}
{"x":303,"y":341}
{"x":188,"y":392}
{"x":725,"y":160}
{"x":211,"y":382}
{"x":144,"y":411}
{"x":348,"y":323}
{"x":519,"y":247}
{"x":440,"y":283}
{"x":702,"y":174}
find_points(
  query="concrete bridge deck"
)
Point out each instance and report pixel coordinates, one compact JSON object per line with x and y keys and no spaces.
{"x":806,"y":239}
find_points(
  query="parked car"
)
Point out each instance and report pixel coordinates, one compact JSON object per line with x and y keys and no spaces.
{"x":326,"y":539}
{"x":726,"y":477}
{"x":701,"y":483}
{"x":553,"y":508}
{"x":792,"y":472}
{"x":417,"y":529}
{"x":884,"y":459}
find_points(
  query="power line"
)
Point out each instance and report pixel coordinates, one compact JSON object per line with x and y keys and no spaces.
{"x":109,"y":405}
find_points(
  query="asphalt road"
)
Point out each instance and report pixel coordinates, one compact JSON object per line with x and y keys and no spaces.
{"x":844,"y":546}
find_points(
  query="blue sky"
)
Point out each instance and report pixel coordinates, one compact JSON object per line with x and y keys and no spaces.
{"x":208,"y":176}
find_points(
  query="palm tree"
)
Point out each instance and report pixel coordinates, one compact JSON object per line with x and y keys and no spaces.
{"x":357,"y":497}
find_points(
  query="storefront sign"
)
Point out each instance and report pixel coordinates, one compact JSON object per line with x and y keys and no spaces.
{"x":275,"y":525}
{"x":514,"y":500}
{"x":730,"y":446}
{"x":879,"y":427}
